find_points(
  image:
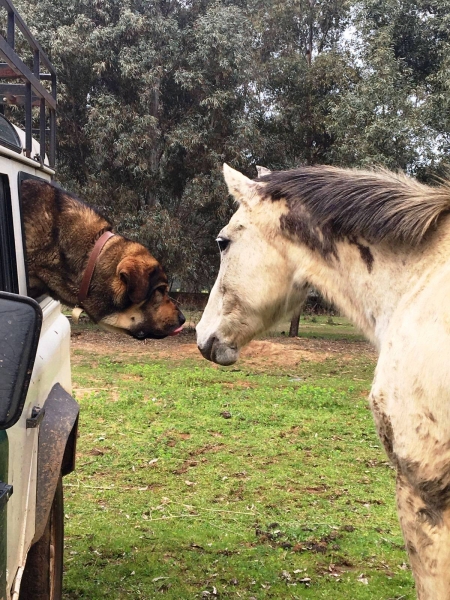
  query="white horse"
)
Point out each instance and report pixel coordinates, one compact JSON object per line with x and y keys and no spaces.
{"x":377,"y":245}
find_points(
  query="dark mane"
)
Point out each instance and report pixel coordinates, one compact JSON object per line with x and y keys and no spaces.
{"x":374,"y":205}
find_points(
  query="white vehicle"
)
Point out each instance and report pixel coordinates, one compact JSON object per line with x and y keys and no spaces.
{"x":38,"y":416}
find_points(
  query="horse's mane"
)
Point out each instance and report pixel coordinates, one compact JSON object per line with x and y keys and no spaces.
{"x":375,"y":205}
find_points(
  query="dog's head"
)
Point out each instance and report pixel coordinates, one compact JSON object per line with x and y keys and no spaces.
{"x":129,"y":293}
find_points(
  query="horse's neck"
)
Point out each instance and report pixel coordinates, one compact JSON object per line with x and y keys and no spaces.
{"x":365,"y":284}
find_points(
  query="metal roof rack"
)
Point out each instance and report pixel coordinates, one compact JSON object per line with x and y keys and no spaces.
{"x":31,"y":92}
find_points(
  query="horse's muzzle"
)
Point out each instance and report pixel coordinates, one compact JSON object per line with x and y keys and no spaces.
{"x":218,"y":352}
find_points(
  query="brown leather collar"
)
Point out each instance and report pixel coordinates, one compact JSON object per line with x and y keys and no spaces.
{"x":87,"y":277}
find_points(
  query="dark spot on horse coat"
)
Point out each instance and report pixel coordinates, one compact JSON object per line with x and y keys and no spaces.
{"x":424,"y":540}
{"x":419,"y":392}
{"x":387,"y":435}
{"x":430,"y":415}
{"x":299,"y":225}
{"x":435,"y":493}
{"x":384,"y":428}
{"x":429,"y":515}
{"x":411,"y":549}
{"x":365,"y":252}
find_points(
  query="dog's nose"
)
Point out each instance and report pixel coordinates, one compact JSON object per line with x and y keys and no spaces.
{"x":181,"y":318}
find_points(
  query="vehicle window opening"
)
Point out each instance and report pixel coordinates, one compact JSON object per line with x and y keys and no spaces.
{"x":22,"y":177}
{"x":8,"y":265}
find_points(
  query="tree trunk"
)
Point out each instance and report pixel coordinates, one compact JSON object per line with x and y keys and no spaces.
{"x":295,"y":323}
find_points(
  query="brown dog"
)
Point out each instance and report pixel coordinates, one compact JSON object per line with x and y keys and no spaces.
{"x":128,"y":289}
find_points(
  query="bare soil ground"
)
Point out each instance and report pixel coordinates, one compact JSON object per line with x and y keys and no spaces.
{"x":257,"y":354}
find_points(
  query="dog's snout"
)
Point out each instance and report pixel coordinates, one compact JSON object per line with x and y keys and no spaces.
{"x":181,"y":318}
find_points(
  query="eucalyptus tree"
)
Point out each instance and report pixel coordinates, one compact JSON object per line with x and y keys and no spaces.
{"x":156,"y":94}
{"x":396,"y":113}
{"x":303,"y":66}
{"x":154,"y":97}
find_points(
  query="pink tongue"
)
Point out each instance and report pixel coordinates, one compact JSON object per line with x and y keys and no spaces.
{"x":177,"y":331}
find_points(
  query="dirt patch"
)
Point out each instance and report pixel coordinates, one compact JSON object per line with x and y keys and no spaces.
{"x":285,"y":352}
{"x":275,"y":351}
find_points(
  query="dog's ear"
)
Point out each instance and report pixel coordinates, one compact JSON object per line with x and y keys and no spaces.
{"x":140,"y":277}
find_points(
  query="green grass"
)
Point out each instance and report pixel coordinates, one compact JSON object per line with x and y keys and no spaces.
{"x":200,"y":482}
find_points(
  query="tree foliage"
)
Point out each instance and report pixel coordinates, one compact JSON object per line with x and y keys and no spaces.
{"x":154,"y":95}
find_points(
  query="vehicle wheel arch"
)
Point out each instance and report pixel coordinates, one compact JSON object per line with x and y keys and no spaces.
{"x":56,"y":450}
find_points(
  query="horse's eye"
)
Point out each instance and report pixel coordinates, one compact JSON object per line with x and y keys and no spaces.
{"x":222,"y":243}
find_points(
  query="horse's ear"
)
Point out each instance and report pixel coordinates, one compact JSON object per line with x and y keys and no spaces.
{"x":239,"y":186}
{"x":262,"y":171}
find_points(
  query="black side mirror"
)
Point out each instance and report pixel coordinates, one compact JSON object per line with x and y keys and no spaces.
{"x":20,"y":326}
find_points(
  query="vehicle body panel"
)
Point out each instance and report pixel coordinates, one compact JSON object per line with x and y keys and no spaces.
{"x":52,"y":365}
{"x":3,"y":511}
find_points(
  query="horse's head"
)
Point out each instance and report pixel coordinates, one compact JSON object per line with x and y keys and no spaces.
{"x":255,"y":286}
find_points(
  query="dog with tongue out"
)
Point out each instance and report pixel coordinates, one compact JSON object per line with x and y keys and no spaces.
{"x":73,"y":256}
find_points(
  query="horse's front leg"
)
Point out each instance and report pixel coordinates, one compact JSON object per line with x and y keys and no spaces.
{"x":418,"y":445}
{"x":426,"y":529}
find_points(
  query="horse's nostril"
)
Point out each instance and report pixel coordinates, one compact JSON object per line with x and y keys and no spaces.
{"x":206,"y":348}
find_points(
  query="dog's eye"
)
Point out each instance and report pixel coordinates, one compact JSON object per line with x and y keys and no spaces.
{"x":222,"y":243}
